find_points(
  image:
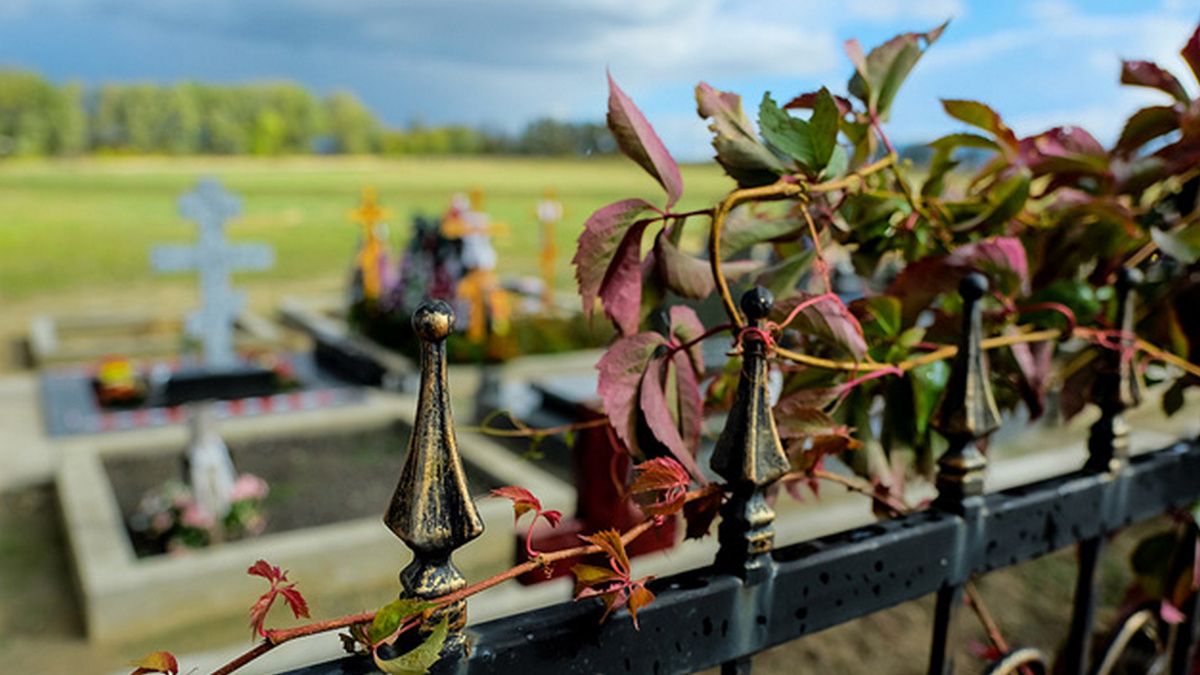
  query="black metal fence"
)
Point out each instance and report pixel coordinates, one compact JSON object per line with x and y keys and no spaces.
{"x":756,"y":596}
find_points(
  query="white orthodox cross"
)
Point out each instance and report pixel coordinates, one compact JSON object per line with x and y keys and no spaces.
{"x":210,"y":206}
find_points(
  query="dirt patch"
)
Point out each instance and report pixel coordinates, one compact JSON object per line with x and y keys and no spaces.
{"x":314,"y":480}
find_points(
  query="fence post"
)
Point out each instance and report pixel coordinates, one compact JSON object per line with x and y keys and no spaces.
{"x":966,"y":413}
{"x":432,"y":510}
{"x":750,"y":457}
{"x":1117,"y":388}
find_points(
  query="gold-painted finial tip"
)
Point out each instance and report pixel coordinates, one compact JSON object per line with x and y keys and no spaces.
{"x":433,"y":320}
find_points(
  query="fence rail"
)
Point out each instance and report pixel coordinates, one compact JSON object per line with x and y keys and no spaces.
{"x":754,"y":596}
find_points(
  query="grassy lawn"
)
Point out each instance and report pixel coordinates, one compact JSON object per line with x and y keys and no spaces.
{"x":85,"y":226}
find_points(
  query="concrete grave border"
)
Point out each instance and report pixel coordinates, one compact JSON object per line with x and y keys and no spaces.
{"x":123,"y":597}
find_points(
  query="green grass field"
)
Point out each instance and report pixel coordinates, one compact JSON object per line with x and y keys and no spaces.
{"x":70,"y":227}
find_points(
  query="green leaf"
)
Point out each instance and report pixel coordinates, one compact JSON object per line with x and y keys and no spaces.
{"x":1004,"y":200}
{"x":787,"y":134}
{"x":390,"y":616}
{"x":1182,"y":245}
{"x":823,"y":128}
{"x":928,"y":382}
{"x":754,"y":223}
{"x":886,"y":311}
{"x":783,"y":277}
{"x":839,"y":161}
{"x":982,"y":116}
{"x":420,"y":659}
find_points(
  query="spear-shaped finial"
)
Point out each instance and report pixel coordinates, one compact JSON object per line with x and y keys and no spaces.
{"x":432,"y":510}
{"x":749,"y":454}
{"x":1118,"y":386}
{"x":967,"y":411}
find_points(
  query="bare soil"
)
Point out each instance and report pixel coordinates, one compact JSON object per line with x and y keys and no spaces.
{"x":314,"y":480}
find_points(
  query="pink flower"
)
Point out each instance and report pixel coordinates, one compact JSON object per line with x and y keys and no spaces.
{"x":248,"y":486}
{"x":161,"y":522}
{"x":194,"y":516}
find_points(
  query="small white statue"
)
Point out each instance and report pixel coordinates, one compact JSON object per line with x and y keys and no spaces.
{"x":210,"y":468}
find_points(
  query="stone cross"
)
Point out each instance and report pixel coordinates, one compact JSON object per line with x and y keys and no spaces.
{"x":210,"y":206}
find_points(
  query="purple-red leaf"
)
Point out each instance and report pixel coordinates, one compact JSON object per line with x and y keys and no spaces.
{"x":621,"y":370}
{"x":1001,"y":258}
{"x":807,"y":100}
{"x":1145,"y":125}
{"x":608,"y":260}
{"x":1150,"y":74}
{"x":1191,"y":53}
{"x":690,"y":276}
{"x":739,"y":151}
{"x":827,"y":319}
{"x":670,"y":399}
{"x":637,"y":140}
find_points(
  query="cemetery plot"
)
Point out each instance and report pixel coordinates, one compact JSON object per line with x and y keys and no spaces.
{"x":71,"y":403}
{"x":323,"y":513}
{"x":449,"y":258}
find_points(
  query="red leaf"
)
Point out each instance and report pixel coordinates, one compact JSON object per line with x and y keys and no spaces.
{"x":639,"y":597}
{"x":827,"y":319}
{"x":621,"y":370}
{"x":621,"y":290}
{"x":1191,"y":53}
{"x":295,"y":601}
{"x":522,"y":499}
{"x":258,"y":611}
{"x":610,"y":543}
{"x":659,"y":486}
{"x":637,"y":140}
{"x":610,"y":238}
{"x":700,"y":513}
{"x":267,"y":571}
{"x":552,"y":517}
{"x":157,"y":662}
{"x":1149,"y":74}
{"x":279,"y":586}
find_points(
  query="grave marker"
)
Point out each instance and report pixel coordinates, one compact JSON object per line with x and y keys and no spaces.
{"x":210,"y":206}
{"x":372,"y":254}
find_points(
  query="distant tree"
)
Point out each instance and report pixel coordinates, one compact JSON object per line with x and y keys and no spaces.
{"x":351,"y":125}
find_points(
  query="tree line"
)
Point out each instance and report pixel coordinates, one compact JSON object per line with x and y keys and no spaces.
{"x":41,"y":118}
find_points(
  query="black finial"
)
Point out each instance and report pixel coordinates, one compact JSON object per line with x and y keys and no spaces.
{"x":757,"y":303}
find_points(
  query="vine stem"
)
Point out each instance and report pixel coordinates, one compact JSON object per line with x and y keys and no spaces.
{"x":526,"y":431}
{"x":274,"y":638}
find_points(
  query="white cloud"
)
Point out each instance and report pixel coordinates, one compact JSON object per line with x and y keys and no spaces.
{"x":883,"y":11}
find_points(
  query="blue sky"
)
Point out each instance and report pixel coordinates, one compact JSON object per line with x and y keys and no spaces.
{"x":501,"y":63}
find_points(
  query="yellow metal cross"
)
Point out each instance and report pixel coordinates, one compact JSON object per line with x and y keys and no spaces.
{"x":369,"y":215}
